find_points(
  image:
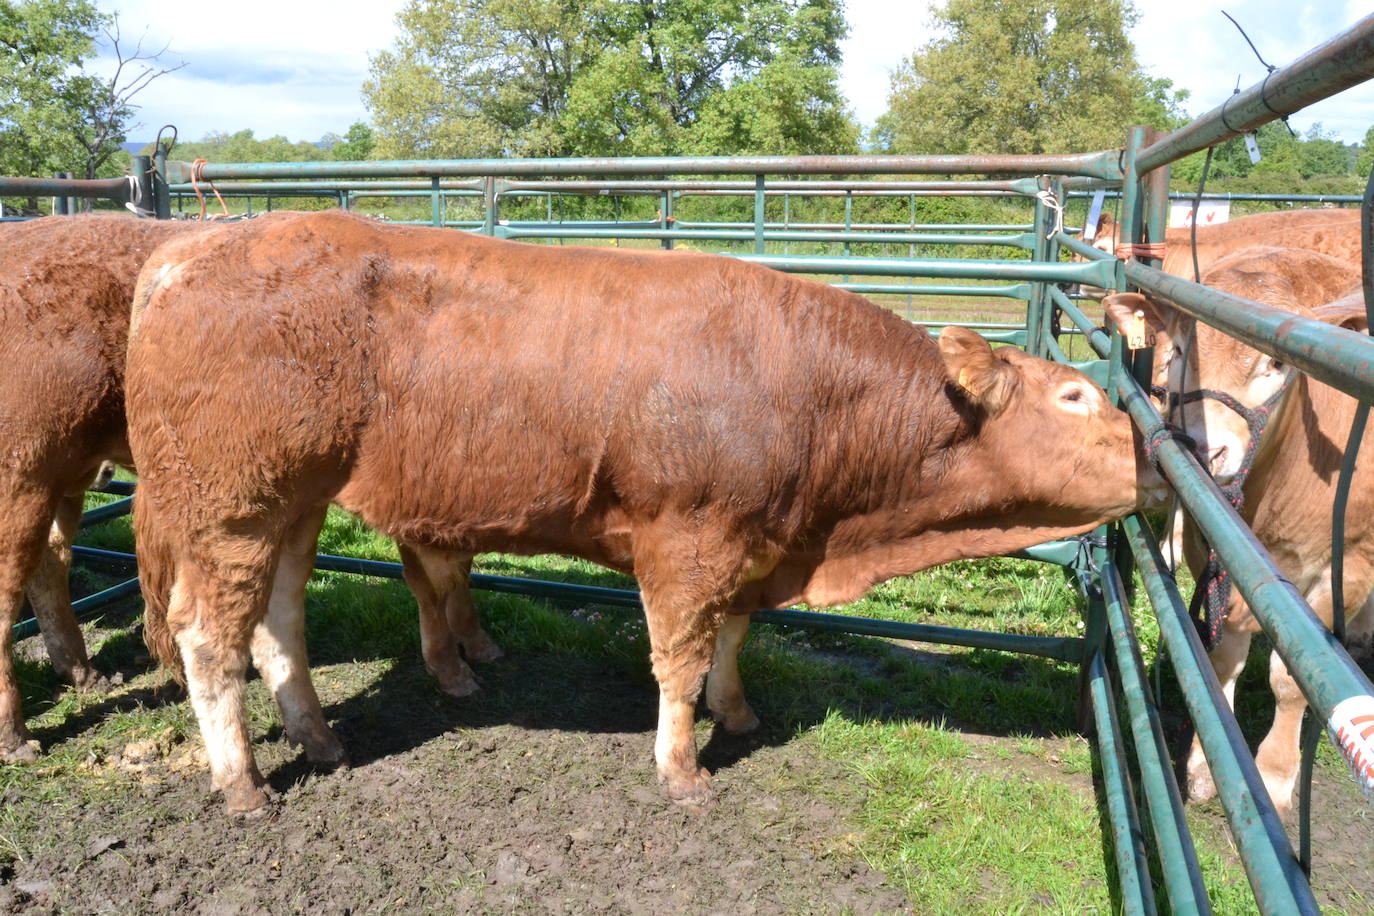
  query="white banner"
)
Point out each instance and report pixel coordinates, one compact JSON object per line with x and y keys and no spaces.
{"x":1210,"y":213}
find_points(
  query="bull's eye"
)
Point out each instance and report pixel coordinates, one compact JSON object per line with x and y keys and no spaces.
{"x":1073,"y":394}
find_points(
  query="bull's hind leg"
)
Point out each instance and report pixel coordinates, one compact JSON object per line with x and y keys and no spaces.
{"x":278,"y":645}
{"x":724,"y":689}
{"x":214,"y":608}
{"x":431,"y":575}
{"x":50,"y":595}
{"x":27,"y":518}
{"x":461,"y":612}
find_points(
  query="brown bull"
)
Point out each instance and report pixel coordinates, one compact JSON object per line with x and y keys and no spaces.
{"x":734,"y":437}
{"x":1335,"y":233}
{"x":1289,"y":491}
{"x":65,"y":288}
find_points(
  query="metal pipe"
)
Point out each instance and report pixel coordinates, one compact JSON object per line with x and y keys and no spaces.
{"x":1339,"y":63}
{"x":1338,"y":356}
{"x":1095,"y":273}
{"x":116,"y":189}
{"x":1128,"y":842}
{"x":1023,"y":241}
{"x":1065,"y":648}
{"x":1163,"y":802}
{"x":1278,"y":883}
{"x":1092,"y":165}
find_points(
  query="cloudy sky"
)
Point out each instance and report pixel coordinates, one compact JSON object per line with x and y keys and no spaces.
{"x":301,"y":76}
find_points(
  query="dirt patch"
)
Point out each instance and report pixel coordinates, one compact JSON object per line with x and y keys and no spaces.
{"x":481,"y":805}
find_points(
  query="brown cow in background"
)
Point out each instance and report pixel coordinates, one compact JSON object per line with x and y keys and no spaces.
{"x":65,"y":288}
{"x":1335,"y":233}
{"x":734,"y":437}
{"x":1289,"y":492}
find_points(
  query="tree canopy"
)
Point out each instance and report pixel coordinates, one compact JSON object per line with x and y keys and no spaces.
{"x":611,"y":77}
{"x":42,"y":88}
{"x":1022,"y":76}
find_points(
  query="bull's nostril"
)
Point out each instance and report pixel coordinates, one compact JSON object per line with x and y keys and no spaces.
{"x":1216,"y":456}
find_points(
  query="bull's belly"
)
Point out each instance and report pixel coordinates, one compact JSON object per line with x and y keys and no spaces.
{"x":467,"y":519}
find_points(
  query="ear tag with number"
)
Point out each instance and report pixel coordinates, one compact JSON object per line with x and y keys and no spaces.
{"x":1135,"y":332}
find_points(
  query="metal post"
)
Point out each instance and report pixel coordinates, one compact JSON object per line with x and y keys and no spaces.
{"x":664,"y":223}
{"x":758,"y":214}
{"x":61,"y":205}
{"x":162,"y":200}
{"x":489,"y":204}
{"x":436,"y":217}
{"x":143,"y":168}
{"x":1035,"y":304}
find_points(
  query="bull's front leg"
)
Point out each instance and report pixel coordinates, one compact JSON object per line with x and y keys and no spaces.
{"x":724,"y":689}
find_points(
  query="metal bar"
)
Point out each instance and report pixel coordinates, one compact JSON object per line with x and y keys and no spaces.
{"x":1091,"y":165}
{"x":1014,"y":291}
{"x":1339,"y":63}
{"x":1128,"y":842}
{"x":1324,"y":671}
{"x":1066,"y":648}
{"x":1278,"y":883}
{"x":517,"y":231}
{"x":758,"y":214}
{"x":116,"y":189}
{"x":1095,"y":273}
{"x":1164,"y":804}
{"x":116,"y":509}
{"x":1338,"y":356}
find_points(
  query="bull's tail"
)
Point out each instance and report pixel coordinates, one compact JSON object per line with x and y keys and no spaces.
{"x":156,"y":573}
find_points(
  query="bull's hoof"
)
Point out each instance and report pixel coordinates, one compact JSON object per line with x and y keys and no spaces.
{"x":739,"y":721}
{"x":459,"y":685}
{"x":481,"y":648}
{"x":26,"y":751}
{"x":88,"y":680}
{"x":1201,"y":788}
{"x":690,"y":790}
{"x":326,"y":753}
{"x":247,"y":801}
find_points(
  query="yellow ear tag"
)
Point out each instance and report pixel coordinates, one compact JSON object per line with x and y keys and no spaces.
{"x":1135,"y":332}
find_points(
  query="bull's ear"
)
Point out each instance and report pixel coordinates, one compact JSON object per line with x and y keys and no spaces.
{"x":1106,"y":225}
{"x":969,"y":363}
{"x":1124,"y":306}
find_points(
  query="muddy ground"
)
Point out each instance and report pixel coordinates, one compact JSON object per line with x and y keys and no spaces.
{"x":536,"y":796}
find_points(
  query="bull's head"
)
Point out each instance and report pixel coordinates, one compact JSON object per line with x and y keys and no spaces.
{"x":1068,"y":449}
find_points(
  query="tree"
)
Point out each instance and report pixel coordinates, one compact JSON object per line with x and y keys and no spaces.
{"x":242,"y":146}
{"x":610,"y":77}
{"x":41,"y":86}
{"x":107,"y":107}
{"x":1321,"y":153}
{"x":356,"y":143}
{"x":1365,"y":162}
{"x":1023,"y":76}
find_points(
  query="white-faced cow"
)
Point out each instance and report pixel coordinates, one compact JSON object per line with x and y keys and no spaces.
{"x":1289,"y":491}
{"x":734,"y":437}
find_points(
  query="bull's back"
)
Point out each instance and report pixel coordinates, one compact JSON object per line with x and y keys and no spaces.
{"x":65,"y":284}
